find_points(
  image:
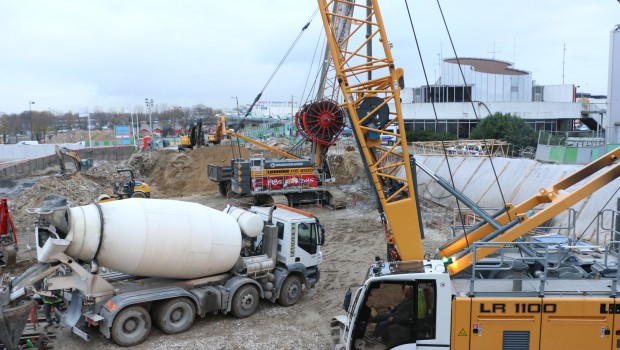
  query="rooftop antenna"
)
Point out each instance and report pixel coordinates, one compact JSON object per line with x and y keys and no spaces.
{"x":494,"y":52}
{"x":514,"y":52}
{"x":563,"y":62}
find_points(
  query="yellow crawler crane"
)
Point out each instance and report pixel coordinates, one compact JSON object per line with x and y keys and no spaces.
{"x":493,"y":289}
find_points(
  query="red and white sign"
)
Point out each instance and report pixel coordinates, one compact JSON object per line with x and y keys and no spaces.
{"x":281,"y":182}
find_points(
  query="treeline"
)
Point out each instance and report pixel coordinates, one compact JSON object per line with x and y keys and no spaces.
{"x":37,"y":125}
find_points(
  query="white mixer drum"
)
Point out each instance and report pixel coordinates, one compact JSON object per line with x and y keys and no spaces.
{"x":155,"y":237}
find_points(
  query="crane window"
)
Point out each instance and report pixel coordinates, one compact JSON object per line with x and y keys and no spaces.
{"x":395,"y":313}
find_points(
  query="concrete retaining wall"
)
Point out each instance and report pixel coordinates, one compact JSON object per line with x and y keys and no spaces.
{"x":519,"y":180}
{"x":24,"y":167}
{"x":24,"y":152}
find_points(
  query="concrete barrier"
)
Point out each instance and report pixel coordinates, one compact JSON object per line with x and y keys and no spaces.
{"x":24,"y":167}
{"x":519,"y":180}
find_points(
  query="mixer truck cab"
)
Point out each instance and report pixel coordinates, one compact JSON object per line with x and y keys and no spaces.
{"x":168,"y":261}
{"x":300,"y":237}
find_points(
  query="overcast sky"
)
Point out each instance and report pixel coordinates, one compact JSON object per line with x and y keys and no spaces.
{"x":66,"y":55}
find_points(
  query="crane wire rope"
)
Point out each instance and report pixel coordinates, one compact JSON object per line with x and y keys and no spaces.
{"x":290,"y":49}
{"x":319,"y":43}
{"x":432,"y":100}
{"x":603,"y":207}
{"x":472,"y":106}
{"x":443,"y":145}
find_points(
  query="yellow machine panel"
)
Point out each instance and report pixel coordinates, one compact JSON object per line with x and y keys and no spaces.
{"x":461,"y":323}
{"x":501,"y":323}
{"x":589,"y":326}
{"x":534,"y":323}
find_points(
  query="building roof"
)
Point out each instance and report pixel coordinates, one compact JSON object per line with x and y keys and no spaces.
{"x":489,"y":66}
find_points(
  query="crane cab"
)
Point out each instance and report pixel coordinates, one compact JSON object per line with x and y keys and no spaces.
{"x":416,"y":314}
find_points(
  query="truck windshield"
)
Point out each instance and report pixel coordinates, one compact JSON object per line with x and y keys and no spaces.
{"x":307,"y":237}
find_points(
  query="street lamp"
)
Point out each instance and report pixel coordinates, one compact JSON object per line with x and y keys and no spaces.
{"x":238,"y":114}
{"x":30,"y":103}
{"x":174,"y":115}
{"x":149,"y":105}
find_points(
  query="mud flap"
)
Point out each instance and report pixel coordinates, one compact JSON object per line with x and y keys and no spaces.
{"x":73,"y":314}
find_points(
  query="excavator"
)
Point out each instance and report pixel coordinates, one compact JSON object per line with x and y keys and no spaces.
{"x":195,"y":136}
{"x":64,"y":152}
{"x":492,"y":287}
{"x":220,"y":131}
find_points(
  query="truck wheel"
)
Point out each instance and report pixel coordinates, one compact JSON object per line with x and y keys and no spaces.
{"x":290,"y":293}
{"x":131,"y":326}
{"x":224,"y":187}
{"x":245,"y":301}
{"x":264,"y":199}
{"x":138,"y":195}
{"x":174,"y":315}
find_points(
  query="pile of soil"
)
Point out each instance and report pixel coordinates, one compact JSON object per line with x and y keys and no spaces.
{"x":175,"y":174}
{"x":348,"y":168}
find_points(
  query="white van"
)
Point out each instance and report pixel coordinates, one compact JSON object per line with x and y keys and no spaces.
{"x":389,"y":139}
{"x":28,"y":143}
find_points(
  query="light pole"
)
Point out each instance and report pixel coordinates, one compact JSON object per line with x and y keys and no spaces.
{"x":238,"y":114}
{"x":149,"y":105}
{"x":30,"y":103}
{"x":174,"y":115}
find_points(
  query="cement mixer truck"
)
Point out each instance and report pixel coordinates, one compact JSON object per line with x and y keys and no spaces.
{"x":125,"y":265}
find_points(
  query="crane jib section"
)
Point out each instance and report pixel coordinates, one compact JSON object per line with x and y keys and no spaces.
{"x":370,"y":83}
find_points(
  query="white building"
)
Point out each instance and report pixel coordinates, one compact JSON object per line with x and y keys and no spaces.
{"x":612,"y":123}
{"x":493,"y":86}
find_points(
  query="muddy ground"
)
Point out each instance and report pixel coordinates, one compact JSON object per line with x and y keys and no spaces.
{"x":354,"y":237}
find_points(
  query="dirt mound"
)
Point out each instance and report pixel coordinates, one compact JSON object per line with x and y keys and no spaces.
{"x":176,"y":174}
{"x":348,"y":168}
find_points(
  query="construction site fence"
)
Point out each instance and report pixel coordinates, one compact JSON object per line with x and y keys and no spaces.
{"x":572,"y":147}
{"x":470,"y":148}
{"x":24,"y":167}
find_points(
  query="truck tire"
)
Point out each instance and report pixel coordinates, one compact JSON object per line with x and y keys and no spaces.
{"x":264,"y":199}
{"x":224,"y":187}
{"x":245,"y":301}
{"x":138,"y":195}
{"x":290,"y":293}
{"x":131,"y":326}
{"x":173,"y":316}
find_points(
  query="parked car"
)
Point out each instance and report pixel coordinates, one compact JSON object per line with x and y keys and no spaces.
{"x":347,"y":132}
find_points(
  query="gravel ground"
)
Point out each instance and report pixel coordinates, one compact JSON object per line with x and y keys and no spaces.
{"x":354,"y":236}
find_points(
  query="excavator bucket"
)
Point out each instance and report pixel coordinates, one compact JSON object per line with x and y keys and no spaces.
{"x":13,"y":319}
